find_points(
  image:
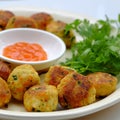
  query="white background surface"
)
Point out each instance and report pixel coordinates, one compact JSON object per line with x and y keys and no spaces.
{"x":94,"y":8}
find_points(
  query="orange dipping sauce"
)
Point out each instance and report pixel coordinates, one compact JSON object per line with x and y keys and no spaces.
{"x":25,"y":52}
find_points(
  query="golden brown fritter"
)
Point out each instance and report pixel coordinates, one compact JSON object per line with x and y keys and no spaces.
{"x":4,"y":70}
{"x":21,"y":22}
{"x":5,"y":15}
{"x":41,"y":98}
{"x":56,"y":73}
{"x":75,"y":90}
{"x":5,"y":94}
{"x":20,"y":79}
{"x":42,"y":19}
{"x":58,"y":28}
{"x":104,"y":83}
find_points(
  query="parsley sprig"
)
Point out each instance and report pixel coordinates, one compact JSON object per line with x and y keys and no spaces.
{"x":100,"y":48}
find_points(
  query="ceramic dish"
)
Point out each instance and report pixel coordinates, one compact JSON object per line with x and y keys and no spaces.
{"x":17,"y":111}
{"x":28,"y":35}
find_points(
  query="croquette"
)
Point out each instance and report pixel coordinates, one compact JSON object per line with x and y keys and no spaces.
{"x":75,"y":90}
{"x":56,"y":73}
{"x":20,"y":79}
{"x":21,"y":22}
{"x":5,"y":15}
{"x":104,"y":83}
{"x":41,"y":98}
{"x":5,"y":94}
{"x":58,"y":28}
{"x":5,"y":70}
{"x":42,"y":19}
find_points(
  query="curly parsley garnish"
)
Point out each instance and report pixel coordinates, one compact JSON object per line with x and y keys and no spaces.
{"x":100,"y":48}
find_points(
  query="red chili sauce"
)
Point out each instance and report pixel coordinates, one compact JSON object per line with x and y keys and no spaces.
{"x":25,"y":52}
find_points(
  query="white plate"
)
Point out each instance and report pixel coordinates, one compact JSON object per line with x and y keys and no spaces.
{"x":17,"y":111}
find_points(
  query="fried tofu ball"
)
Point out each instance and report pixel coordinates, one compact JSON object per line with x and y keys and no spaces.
{"x":104,"y":83}
{"x":5,"y":15}
{"x":20,"y":79}
{"x":42,"y":19}
{"x":56,"y":73}
{"x":5,"y":94}
{"x":4,"y":70}
{"x":75,"y":90}
{"x":58,"y":28}
{"x":41,"y":98}
{"x":21,"y":22}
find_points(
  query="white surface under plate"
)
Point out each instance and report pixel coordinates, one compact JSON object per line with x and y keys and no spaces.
{"x":16,"y":111}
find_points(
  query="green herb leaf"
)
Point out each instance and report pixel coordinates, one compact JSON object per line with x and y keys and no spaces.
{"x":99,"y":50}
{"x":15,"y":77}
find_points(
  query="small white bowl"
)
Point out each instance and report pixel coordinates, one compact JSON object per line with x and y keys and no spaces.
{"x":53,"y":45}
